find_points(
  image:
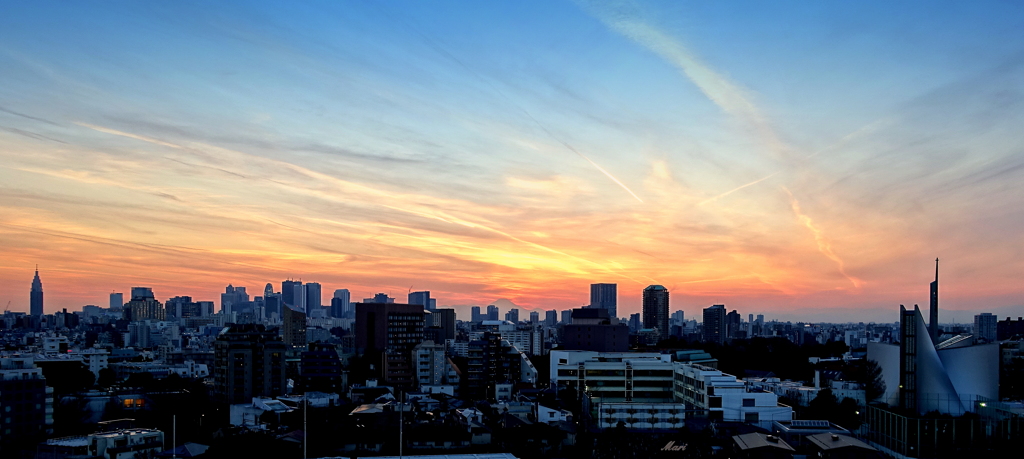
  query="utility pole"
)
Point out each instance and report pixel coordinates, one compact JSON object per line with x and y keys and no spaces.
{"x":305,"y":425}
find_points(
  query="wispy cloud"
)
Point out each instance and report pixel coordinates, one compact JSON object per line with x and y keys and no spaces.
{"x":824,"y":246}
{"x":729,"y":96}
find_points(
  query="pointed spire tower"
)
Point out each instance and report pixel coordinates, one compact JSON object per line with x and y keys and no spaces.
{"x":933,"y":316}
{"x":36,"y":296}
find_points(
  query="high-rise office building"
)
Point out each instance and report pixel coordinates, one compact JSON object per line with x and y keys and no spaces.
{"x":635,"y":324}
{"x":715,"y":324}
{"x":292,"y":294}
{"x":36,"y":296}
{"x":391,"y":330}
{"x":143,"y":306}
{"x":512,"y":315}
{"x":985,"y":327}
{"x":551,"y":318}
{"x":732,"y":325}
{"x":380,"y":298}
{"x":492,"y":312}
{"x":422,"y":299}
{"x":567,"y":316}
{"x":293,"y":327}
{"x":475,"y":315}
{"x":444,"y":321}
{"x":760,"y":319}
{"x":249,"y":361}
{"x":25,"y":401}
{"x":268,"y":290}
{"x":534,"y":317}
{"x":182,"y":307}
{"x":314,"y":299}
{"x":605,"y":296}
{"x":272,"y":305}
{"x":341,"y":304}
{"x":933,"y":319}
{"x":116,"y":301}
{"x":232,"y":299}
{"x":655,"y":309}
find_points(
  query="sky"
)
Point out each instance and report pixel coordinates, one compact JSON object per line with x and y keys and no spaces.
{"x":806,"y":161}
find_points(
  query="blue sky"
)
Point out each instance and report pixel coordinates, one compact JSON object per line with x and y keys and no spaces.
{"x":779,"y":157}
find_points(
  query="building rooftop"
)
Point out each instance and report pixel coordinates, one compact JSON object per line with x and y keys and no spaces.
{"x":759,"y":440}
{"x":827,"y":441}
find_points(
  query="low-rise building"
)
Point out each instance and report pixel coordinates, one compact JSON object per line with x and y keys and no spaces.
{"x":725,"y":398}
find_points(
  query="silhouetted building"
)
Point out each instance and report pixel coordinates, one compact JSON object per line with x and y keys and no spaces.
{"x":249,"y":362}
{"x":655,"y":309}
{"x":182,"y":307}
{"x":492,"y":312}
{"x":422,"y":299}
{"x":512,"y":315}
{"x":232,"y":299}
{"x":314,"y":298}
{"x":605,"y":296}
{"x":985,"y":327}
{"x":1007,"y":329}
{"x":341,"y":304}
{"x":293,"y":327}
{"x":475,"y":315}
{"x":292,"y":294}
{"x":733,"y":322}
{"x":36,"y":296}
{"x":143,"y":306}
{"x":26,"y":404}
{"x":593,"y":330}
{"x":321,"y":369}
{"x":116,"y":301}
{"x":933,"y":319}
{"x":444,"y":321}
{"x":494,"y":362}
{"x":391,"y":331}
{"x":551,"y":318}
{"x":715,"y":324}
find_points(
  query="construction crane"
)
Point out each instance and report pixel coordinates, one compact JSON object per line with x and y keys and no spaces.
{"x":7,"y":307}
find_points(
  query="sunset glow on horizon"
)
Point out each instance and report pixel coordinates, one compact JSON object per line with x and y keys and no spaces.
{"x":806,"y":162}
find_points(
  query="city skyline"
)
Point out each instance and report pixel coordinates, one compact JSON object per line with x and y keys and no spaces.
{"x":812,"y":173}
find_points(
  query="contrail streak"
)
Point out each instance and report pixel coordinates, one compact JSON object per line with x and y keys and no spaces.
{"x":444,"y":52}
{"x":819,"y":236}
{"x":728,"y":96}
{"x":727,"y":193}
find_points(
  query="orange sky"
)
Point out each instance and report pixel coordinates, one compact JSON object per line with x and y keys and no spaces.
{"x":185,"y":156}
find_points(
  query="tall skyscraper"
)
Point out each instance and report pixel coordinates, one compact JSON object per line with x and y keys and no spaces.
{"x":293,"y":327}
{"x":492,"y":312}
{"x":248,"y":361}
{"x":567,"y":316}
{"x":314,"y":299}
{"x":390,"y":331}
{"x":655,"y":309}
{"x":444,"y":321}
{"x":341,"y":304}
{"x":232,"y":299}
{"x":605,"y":296}
{"x":268,"y":290}
{"x":933,"y":318}
{"x":551,"y":318}
{"x":534,"y":317}
{"x":476,"y":316}
{"x":143,"y":306}
{"x":36,"y":296}
{"x":292,"y":294}
{"x":715,"y":324}
{"x":634,"y":322}
{"x":422,"y":299}
{"x":116,"y":301}
{"x":985,"y":327}
{"x":512,"y":315}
